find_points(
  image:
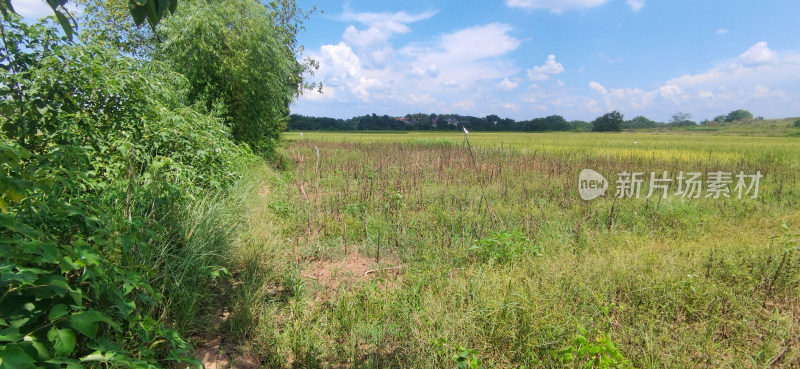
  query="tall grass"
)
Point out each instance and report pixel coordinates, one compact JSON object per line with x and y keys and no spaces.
{"x":509,"y":262}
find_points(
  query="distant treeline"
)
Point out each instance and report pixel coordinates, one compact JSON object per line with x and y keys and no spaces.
{"x":612,"y":121}
{"x":450,"y":122}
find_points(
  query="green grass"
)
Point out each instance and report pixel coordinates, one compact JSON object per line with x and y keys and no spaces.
{"x":501,"y":258}
{"x":750,"y":127}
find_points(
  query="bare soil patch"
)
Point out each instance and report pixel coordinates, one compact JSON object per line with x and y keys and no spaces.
{"x":331,"y":275}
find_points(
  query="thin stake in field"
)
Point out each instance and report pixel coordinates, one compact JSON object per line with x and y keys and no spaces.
{"x":477,"y":170}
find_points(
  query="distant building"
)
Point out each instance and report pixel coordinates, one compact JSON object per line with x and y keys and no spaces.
{"x":406,"y":120}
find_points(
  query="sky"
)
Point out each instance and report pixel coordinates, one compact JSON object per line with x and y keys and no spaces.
{"x":580,"y":59}
{"x":526,"y":59}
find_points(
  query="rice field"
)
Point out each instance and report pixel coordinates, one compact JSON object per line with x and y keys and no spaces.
{"x":423,"y":250}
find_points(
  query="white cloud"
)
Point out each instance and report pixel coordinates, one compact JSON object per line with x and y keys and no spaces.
{"x":636,"y":5}
{"x":399,"y":17}
{"x":597,"y":87}
{"x":506,"y":85}
{"x":593,"y":106}
{"x":507,"y":106}
{"x":555,"y":6}
{"x":450,"y":72}
{"x":373,"y":41}
{"x":672,"y":92}
{"x":464,"y":105}
{"x":705,"y":94}
{"x":449,"y":83}
{"x":542,"y":73}
{"x":342,"y":74}
{"x":621,"y":98}
{"x":722,"y":31}
{"x":758,"y":54}
{"x":32,"y":8}
{"x":424,"y":70}
{"x":480,"y":42}
{"x":465,"y":56}
{"x":39,"y":8}
{"x":757,"y":66}
{"x":759,"y":79}
{"x":760,"y":92}
{"x":419,"y":100}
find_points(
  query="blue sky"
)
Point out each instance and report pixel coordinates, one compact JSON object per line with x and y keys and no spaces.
{"x":532,"y":58}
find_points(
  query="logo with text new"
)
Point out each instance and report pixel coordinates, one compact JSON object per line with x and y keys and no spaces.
{"x":591,"y":184}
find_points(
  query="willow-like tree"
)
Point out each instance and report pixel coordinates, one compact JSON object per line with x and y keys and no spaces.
{"x":237,"y":60}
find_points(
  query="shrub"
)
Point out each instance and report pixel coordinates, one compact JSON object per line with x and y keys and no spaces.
{"x":99,"y":159}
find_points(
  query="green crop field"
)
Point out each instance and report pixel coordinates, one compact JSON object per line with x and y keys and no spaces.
{"x":418,"y":250}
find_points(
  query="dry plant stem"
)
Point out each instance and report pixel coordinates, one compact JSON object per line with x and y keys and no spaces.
{"x":383,"y":269}
{"x":478,"y":173}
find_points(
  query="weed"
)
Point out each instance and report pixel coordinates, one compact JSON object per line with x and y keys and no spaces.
{"x":601,"y":352}
{"x":504,"y":246}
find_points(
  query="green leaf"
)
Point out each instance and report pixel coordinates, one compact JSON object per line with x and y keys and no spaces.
{"x":58,"y":311}
{"x":15,"y":358}
{"x":63,"y":341}
{"x":41,"y":350}
{"x":163,"y":6}
{"x":86,"y":322}
{"x":65,"y":23}
{"x":138,"y":12}
{"x":10,"y":334}
{"x":153,"y":15}
{"x":84,"y":325}
{"x":126,"y":307}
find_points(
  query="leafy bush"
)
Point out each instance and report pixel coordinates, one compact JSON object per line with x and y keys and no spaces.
{"x":601,"y":352}
{"x":503,"y":246}
{"x":797,"y":123}
{"x":99,"y":158}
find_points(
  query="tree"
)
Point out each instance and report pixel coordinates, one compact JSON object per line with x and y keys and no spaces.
{"x":680,"y":117}
{"x":108,"y":22}
{"x":797,"y":123}
{"x":580,"y":126}
{"x":739,"y":114}
{"x":140,"y":10}
{"x":682,"y":120}
{"x":609,"y":122}
{"x":238,"y":61}
{"x":639,"y":123}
